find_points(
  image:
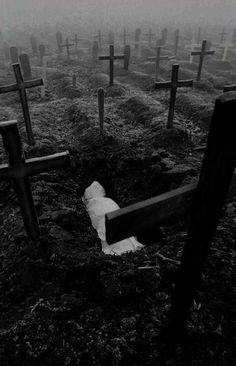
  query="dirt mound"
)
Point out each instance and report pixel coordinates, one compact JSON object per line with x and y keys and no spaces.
{"x":136,"y":110}
{"x":215,"y":66}
{"x":117,"y":90}
{"x":172,"y":139}
{"x":100,"y":80}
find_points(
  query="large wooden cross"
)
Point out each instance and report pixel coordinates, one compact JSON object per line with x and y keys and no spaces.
{"x":205,"y":201}
{"x":19,"y":170}
{"x":173,"y":85}
{"x":157,"y":60}
{"x":222,"y":35}
{"x":21,"y":87}
{"x":202,"y":55}
{"x":111,"y":59}
{"x":67,"y":45}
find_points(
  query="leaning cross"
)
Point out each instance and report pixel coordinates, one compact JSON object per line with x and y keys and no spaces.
{"x":112,"y":58}
{"x":21,"y":87}
{"x":202,"y":54}
{"x":67,"y":45}
{"x":157,"y":60}
{"x":173,"y":85}
{"x":19,"y":170}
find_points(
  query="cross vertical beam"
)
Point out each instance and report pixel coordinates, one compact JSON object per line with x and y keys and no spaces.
{"x":157,"y":60}
{"x":202,"y":55}
{"x":19,"y":170}
{"x":21,"y":87}
{"x":111,"y":59}
{"x":173,"y":85}
{"x":215,"y":178}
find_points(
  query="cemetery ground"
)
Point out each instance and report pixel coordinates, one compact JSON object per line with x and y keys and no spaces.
{"x":66,"y":303}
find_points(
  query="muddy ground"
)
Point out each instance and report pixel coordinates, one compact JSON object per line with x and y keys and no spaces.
{"x":65,"y":303}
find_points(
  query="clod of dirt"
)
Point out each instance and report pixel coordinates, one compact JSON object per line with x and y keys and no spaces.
{"x":136,"y":110}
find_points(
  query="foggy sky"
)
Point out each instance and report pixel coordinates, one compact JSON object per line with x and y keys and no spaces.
{"x":32,"y":12}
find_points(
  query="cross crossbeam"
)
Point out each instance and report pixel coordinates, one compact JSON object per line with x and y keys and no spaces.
{"x":173,"y":85}
{"x":67,"y":45}
{"x":19,"y":170}
{"x":202,"y":55}
{"x":111,"y":58}
{"x":157,"y":60}
{"x":21,"y":87}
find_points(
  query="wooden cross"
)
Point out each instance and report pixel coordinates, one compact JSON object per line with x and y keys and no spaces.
{"x":19,"y":170}
{"x":99,"y":36}
{"x":25,"y":65}
{"x":176,"y":45}
{"x":67,"y":45}
{"x":222,"y":35}
{"x":75,"y":40}
{"x":173,"y":85}
{"x":205,"y":199}
{"x":111,"y":59}
{"x":225,"y":47}
{"x":150,"y":36}
{"x":34,"y":46}
{"x":101,"y":109}
{"x":14,"y":54}
{"x":157,"y":60}
{"x":202,"y":54}
{"x":21,"y":87}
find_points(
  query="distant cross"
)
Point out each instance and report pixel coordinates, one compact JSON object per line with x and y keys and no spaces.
{"x":192,"y":48}
{"x":59,"y":40}
{"x":99,"y":36}
{"x":21,"y":87}
{"x":124,"y":35}
{"x":101,"y":109}
{"x":173,"y":85}
{"x":75,"y":40}
{"x":67,"y":45}
{"x":176,"y":45}
{"x":222,"y":35}
{"x":164,"y":35}
{"x":226,"y":47}
{"x":150,"y":36}
{"x":25,"y":65}
{"x":34,"y":46}
{"x":19,"y":170}
{"x":111,"y":59}
{"x":202,"y":54}
{"x":157,"y":60}
{"x":14,"y":54}
{"x":42,"y":52}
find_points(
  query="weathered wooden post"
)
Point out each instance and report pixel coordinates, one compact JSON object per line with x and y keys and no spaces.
{"x":42,"y":52}
{"x":173,"y":85}
{"x":176,"y":42}
{"x":21,"y":87}
{"x":157,"y":60}
{"x":59,"y":40}
{"x":19,"y":170}
{"x":25,"y":66}
{"x":202,"y":55}
{"x":34,"y":45}
{"x":101,"y":109}
{"x":127,"y":53}
{"x":6,"y":51}
{"x":111,"y":59}
{"x":215,"y":178}
{"x":14,"y":54}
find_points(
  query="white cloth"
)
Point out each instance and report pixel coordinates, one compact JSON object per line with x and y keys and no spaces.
{"x":97,"y":206}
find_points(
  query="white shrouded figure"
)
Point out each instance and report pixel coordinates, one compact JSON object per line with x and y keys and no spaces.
{"x":97,"y":205}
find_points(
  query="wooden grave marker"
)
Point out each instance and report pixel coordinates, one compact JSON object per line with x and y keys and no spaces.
{"x":205,"y":201}
{"x":59,"y":40}
{"x":150,"y":37}
{"x":14,"y":54}
{"x":25,"y":66}
{"x":101,"y":109}
{"x":34,"y":45}
{"x":202,"y":55}
{"x":42,"y":53}
{"x":176,"y":42}
{"x":67,"y":46}
{"x":21,"y":87}
{"x":19,"y":170}
{"x":111,"y":59}
{"x":222,"y":35}
{"x":157,"y":60}
{"x":173,"y":85}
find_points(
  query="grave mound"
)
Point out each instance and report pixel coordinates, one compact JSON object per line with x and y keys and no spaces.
{"x":100,"y":80}
{"x":173,"y":139}
{"x":136,"y":110}
{"x":42,"y":148}
{"x":140,"y":79}
{"x":71,"y":91}
{"x":116,"y":90}
{"x":215,"y":66}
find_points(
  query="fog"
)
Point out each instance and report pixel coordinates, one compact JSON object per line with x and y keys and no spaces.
{"x":36,"y":12}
